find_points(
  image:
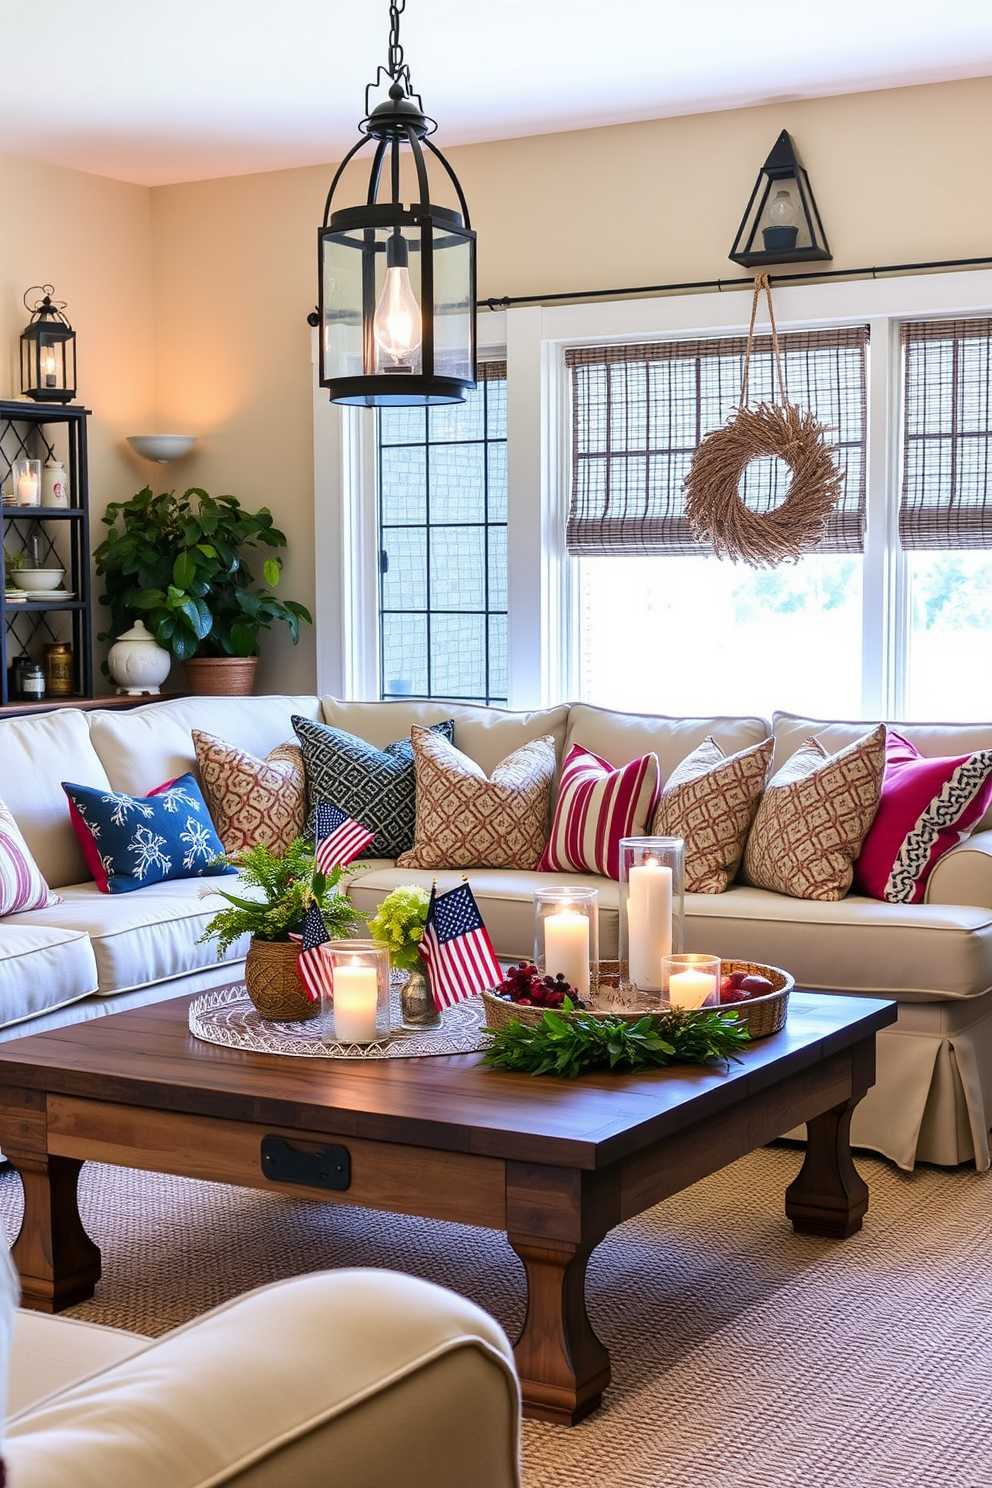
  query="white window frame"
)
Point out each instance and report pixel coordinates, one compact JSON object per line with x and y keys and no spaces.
{"x":543,"y":640}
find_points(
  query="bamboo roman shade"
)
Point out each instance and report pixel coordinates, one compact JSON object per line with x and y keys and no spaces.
{"x":638,"y":413}
{"x":946,"y":499}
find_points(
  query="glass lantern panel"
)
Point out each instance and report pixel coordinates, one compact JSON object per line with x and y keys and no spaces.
{"x":343,"y":349}
{"x":454,"y":311}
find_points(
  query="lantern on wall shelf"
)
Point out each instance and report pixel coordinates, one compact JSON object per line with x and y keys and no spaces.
{"x":781,"y":223}
{"x":48,"y":349}
{"x":396,"y":282}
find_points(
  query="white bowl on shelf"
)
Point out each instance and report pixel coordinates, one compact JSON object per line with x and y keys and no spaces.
{"x":37,"y":578}
{"x":161,"y":447}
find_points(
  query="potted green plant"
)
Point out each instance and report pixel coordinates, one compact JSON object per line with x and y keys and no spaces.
{"x":285,"y":888}
{"x":180,"y":563}
{"x":399,"y":923}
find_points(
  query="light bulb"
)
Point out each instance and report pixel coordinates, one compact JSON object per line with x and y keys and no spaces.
{"x":396,"y":324}
{"x":782,"y":212}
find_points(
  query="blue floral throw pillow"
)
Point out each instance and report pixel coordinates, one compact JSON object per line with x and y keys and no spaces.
{"x":132,"y":841}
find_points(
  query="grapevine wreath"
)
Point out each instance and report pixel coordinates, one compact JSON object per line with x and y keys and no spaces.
{"x":713,"y":504}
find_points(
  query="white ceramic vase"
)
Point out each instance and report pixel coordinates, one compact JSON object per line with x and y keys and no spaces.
{"x":54,"y":484}
{"x":138,"y":664}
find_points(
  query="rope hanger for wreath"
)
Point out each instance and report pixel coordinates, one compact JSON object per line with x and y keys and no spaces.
{"x":713,"y":504}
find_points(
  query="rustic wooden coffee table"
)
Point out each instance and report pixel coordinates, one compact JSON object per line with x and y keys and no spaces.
{"x":554,"y":1163}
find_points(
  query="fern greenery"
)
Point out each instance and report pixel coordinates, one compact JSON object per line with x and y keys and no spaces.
{"x":287,"y":886}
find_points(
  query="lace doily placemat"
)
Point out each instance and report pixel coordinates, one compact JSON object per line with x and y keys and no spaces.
{"x":229,"y":1017}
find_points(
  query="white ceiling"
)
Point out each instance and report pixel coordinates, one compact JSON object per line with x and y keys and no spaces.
{"x":156,"y":91}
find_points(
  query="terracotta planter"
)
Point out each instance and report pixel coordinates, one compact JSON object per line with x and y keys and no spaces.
{"x":221,"y":676}
{"x":274,"y":984}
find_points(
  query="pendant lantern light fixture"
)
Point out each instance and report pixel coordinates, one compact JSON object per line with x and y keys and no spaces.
{"x":396,"y":307}
{"x":781,"y":223}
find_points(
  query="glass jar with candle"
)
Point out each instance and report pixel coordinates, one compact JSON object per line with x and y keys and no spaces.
{"x":26,"y":477}
{"x":566,"y":937}
{"x":355,"y":996}
{"x":690,"y":980}
{"x":651,"y":908}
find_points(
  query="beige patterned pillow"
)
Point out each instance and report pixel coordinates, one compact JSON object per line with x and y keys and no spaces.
{"x":813,"y":818}
{"x":252,"y":800}
{"x":466,"y":820}
{"x":710,"y":800}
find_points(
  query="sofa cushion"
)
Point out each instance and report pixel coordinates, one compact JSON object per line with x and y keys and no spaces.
{"x":710,"y":800}
{"x":142,"y":746}
{"x":486,"y":735}
{"x":54,"y":1353}
{"x":139,"y":939}
{"x":21,"y":883}
{"x":813,"y":818}
{"x":133,"y":841}
{"x":597,"y":806}
{"x":931,"y":739}
{"x":36,"y":753}
{"x":466,"y":819}
{"x":252,"y":800}
{"x":43,"y":965}
{"x":375,"y":787}
{"x":624,"y":736}
{"x":928,"y":806}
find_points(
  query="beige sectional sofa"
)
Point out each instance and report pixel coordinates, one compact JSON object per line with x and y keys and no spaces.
{"x":95,"y":953}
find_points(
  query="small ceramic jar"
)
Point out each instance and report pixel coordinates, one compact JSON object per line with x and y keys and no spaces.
{"x":138,"y":664}
{"x":54,"y":484}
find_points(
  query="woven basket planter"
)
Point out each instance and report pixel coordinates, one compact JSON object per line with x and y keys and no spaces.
{"x":762,"y":1015}
{"x":273,"y":982}
{"x":220,"y":676}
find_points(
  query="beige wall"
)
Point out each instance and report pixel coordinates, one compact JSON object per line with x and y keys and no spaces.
{"x":90,"y":238}
{"x":898,"y":176}
{"x":228,"y":268}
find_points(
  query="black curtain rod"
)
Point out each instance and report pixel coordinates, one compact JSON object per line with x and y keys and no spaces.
{"x":506,"y":301}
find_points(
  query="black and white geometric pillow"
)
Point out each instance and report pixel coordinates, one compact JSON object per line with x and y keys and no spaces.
{"x":377,"y":787}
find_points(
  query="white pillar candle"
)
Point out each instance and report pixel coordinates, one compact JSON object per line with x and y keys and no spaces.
{"x":649,"y":923}
{"x":355,"y":999}
{"x":691,"y":989}
{"x":27,"y":490}
{"x":566,"y":948}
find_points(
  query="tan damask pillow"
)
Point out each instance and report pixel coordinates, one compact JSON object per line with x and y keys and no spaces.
{"x":710,"y":800}
{"x":468,"y":820}
{"x":252,"y":800}
{"x":813,"y":818}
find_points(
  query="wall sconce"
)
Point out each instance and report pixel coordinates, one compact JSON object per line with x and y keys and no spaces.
{"x":396,"y":283}
{"x":48,"y":350}
{"x":781,"y":223}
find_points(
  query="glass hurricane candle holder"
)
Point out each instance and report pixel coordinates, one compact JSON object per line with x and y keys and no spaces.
{"x":355,"y":991}
{"x":26,"y":478}
{"x":651,"y":910}
{"x":690,"y":980}
{"x":566,"y":936}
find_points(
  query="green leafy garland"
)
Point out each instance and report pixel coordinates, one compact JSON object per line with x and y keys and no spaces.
{"x":571,"y":1046}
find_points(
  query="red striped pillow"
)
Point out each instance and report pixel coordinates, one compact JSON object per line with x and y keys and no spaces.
{"x":21,"y":884}
{"x":597,"y":805}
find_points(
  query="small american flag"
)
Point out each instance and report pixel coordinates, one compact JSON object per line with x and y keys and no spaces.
{"x":337,"y":837}
{"x":460,"y":958}
{"x":310,"y":960}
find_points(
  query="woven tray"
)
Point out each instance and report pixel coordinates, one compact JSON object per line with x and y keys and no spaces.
{"x":762,"y":1015}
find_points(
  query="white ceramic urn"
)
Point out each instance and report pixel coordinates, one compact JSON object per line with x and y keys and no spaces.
{"x":138,"y":664}
{"x":54,"y":484}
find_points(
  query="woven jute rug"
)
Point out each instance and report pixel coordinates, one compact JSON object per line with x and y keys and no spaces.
{"x":744,"y":1356}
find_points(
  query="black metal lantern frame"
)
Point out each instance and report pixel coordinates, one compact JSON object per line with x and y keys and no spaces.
{"x":397,"y":283}
{"x":781,"y":223}
{"x":48,"y":349}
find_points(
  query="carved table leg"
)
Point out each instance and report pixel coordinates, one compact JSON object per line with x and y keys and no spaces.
{"x":563,"y":1367}
{"x":830,"y":1196}
{"x":57,"y":1260}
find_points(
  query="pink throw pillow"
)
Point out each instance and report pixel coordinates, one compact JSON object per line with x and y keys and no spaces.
{"x":928,"y":806}
{"x":22,"y":886}
{"x":597,"y":805}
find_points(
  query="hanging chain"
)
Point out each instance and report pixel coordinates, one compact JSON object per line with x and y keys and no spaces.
{"x":395,"y":63}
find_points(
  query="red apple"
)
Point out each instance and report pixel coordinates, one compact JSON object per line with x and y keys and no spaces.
{"x":735,"y":977}
{"x":732,"y":994}
{"x":756,"y":986}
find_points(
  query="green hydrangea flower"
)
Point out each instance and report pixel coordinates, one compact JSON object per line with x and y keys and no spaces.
{"x":399,"y":923}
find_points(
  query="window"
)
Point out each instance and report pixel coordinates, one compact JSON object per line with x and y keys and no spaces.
{"x":442,"y":546}
{"x":945,"y":516}
{"x":667,"y":627}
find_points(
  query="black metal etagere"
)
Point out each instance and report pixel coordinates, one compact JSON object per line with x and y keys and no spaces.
{"x":41,"y":431}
